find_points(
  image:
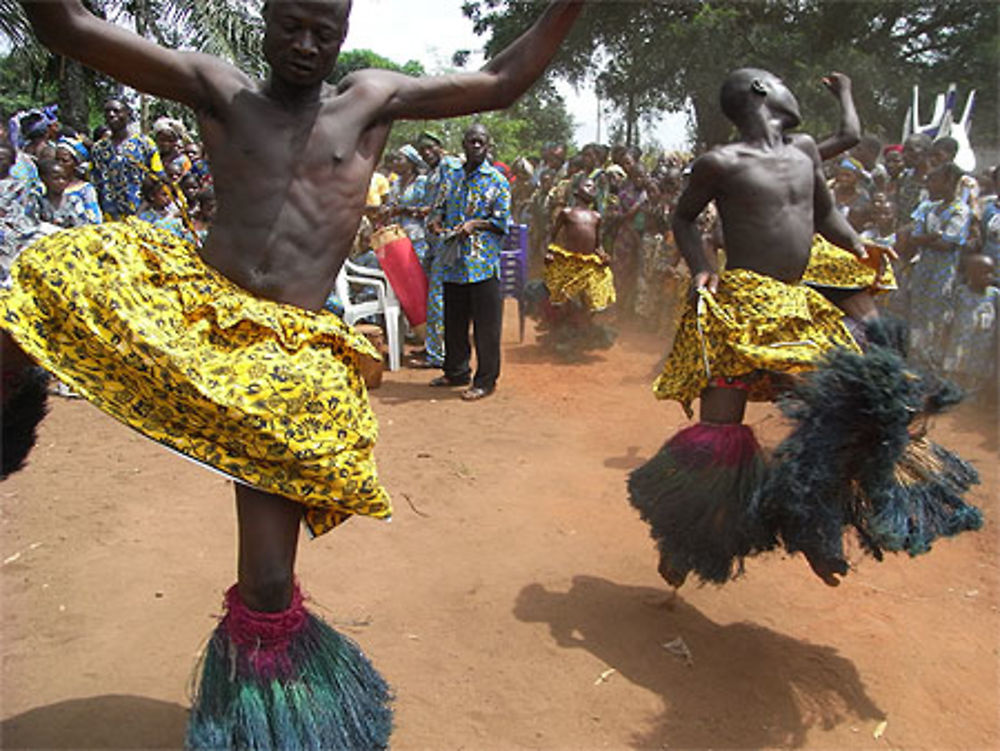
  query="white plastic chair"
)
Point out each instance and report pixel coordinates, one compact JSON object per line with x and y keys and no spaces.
{"x":385,"y":304}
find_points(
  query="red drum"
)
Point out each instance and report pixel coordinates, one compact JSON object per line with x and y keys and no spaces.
{"x":403,"y":270}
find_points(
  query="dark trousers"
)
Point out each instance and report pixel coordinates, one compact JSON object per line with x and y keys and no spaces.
{"x":480,"y":303}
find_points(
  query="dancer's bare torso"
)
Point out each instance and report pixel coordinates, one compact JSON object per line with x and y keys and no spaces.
{"x":766,"y":202}
{"x":291,"y":181}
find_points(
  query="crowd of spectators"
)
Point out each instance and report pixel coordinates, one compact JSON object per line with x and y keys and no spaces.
{"x":943,"y":222}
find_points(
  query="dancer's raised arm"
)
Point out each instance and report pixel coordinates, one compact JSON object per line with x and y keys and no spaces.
{"x":67,"y":28}
{"x":496,"y":86}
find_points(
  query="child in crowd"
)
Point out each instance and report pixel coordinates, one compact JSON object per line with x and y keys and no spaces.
{"x":157,"y":201}
{"x":970,"y":357}
{"x":939,"y":235}
{"x":60,"y":206}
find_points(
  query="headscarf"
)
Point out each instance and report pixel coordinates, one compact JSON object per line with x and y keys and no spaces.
{"x":851,"y":164}
{"x":410,"y":153}
{"x":170,"y":125}
{"x":617,"y":170}
{"x":75,"y":147}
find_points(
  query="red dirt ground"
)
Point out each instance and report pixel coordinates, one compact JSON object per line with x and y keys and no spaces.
{"x":512,"y":602}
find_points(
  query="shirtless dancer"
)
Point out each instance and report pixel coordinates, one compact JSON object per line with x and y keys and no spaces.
{"x":578,"y":274}
{"x":225,"y":355}
{"x":576,"y":262}
{"x":744,"y":334}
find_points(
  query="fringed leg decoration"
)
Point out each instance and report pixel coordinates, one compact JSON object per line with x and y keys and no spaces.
{"x":851,"y":461}
{"x":923,"y":502}
{"x":286,"y":681}
{"x":699,"y":495}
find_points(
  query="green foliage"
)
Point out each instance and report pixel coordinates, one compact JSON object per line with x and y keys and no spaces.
{"x":353,"y":60}
{"x":539,"y":117}
{"x":654,"y":55}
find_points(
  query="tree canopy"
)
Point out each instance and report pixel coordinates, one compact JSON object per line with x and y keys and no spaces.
{"x":539,"y":117}
{"x":650,"y":56}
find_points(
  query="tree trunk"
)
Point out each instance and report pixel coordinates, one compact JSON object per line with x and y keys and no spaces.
{"x":711,"y":126}
{"x":74,"y":95}
{"x":630,"y":124}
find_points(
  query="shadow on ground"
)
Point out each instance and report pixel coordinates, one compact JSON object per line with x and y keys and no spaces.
{"x":105,"y":722}
{"x":747,"y":686}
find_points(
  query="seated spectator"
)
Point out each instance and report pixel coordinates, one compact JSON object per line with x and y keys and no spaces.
{"x":74,"y":156}
{"x":193,"y":227}
{"x":17,"y":226}
{"x":157,"y":200}
{"x":60,"y":206}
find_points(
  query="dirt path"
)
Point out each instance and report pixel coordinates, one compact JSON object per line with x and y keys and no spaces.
{"x":512,"y":602}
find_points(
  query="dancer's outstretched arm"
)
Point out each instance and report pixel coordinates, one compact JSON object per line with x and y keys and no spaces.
{"x":498,"y":85}
{"x":69,"y":29}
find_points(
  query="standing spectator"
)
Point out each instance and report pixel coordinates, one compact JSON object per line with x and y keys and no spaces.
{"x":34,"y":130}
{"x":873,"y":176}
{"x":940,"y":234}
{"x":120,"y":163}
{"x":633,"y":200}
{"x":439,"y":165}
{"x":971,"y":355}
{"x":892,"y":161}
{"x":407,"y":202}
{"x":475,"y":214}
{"x":171,"y":137}
{"x":916,"y":163}
{"x":989,"y":231}
{"x":849,"y":193}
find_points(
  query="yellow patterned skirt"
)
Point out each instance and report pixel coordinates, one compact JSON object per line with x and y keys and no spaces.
{"x":269,"y":394}
{"x":835,"y":268}
{"x":570,"y":274}
{"x":754,"y":325}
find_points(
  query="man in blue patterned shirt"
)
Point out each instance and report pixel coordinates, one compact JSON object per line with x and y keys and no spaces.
{"x":473,"y":218}
{"x":119,"y":161}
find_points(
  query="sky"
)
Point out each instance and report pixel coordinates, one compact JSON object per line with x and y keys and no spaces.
{"x":429,"y":31}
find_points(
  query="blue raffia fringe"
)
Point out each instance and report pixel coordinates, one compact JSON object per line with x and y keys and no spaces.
{"x":857,"y":458}
{"x":291,"y":684}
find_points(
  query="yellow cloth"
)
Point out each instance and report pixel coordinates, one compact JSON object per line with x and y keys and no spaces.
{"x":570,"y":274}
{"x":835,"y":268}
{"x":130,"y":317}
{"x":378,"y":189}
{"x":753,"y":325}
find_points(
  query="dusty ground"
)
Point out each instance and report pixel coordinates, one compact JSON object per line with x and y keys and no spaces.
{"x":514,"y":577}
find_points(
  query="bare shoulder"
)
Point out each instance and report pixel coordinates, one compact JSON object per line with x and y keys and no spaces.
{"x":373,"y":84}
{"x":806,"y":144}
{"x":715,"y":162}
{"x":220,"y":80}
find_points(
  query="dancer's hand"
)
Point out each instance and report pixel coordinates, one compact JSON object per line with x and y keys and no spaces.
{"x":876,"y":256}
{"x":708,"y":280}
{"x":837,"y":83}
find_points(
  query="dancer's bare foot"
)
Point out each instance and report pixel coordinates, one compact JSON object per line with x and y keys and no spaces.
{"x":827,"y":569}
{"x":674,"y":577}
